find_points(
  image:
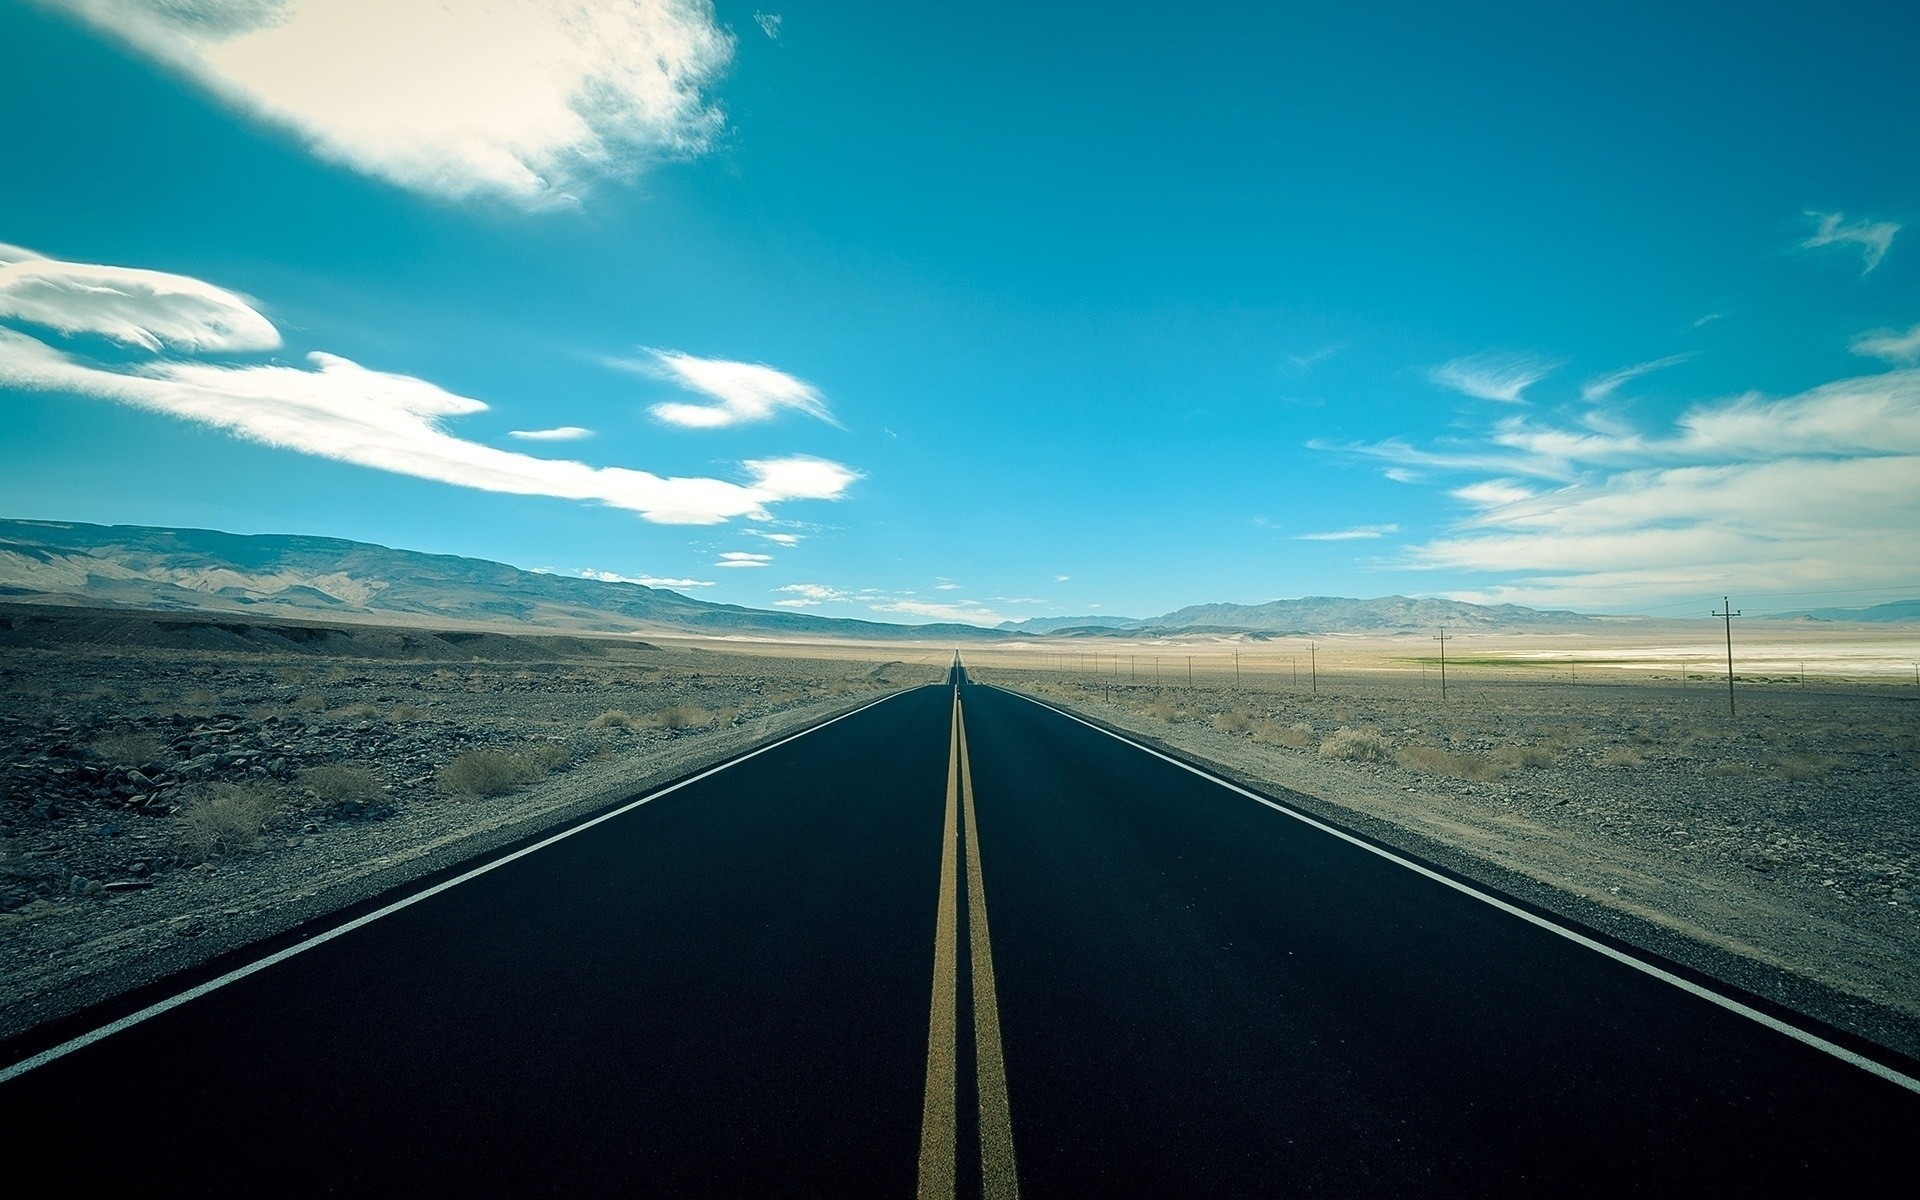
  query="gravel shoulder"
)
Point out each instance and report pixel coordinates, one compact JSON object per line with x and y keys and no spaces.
{"x":1776,"y":853}
{"x":121,"y":864}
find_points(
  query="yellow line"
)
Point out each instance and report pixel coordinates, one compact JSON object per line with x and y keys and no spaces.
{"x":939,"y":1111}
{"x":999,"y":1181}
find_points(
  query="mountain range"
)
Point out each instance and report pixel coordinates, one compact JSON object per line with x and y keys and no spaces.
{"x":179,"y":570}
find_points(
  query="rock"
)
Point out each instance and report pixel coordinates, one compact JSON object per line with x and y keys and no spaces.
{"x":125,"y":885}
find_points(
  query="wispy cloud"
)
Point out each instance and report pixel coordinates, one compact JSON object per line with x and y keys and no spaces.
{"x":151,"y":310}
{"x":739,"y":391}
{"x":965,"y":612}
{"x":1810,"y":489}
{"x":1500,"y":377}
{"x":743,"y":558}
{"x":652,"y":581}
{"x":1873,"y":238}
{"x":1357,"y":533}
{"x":335,"y":408}
{"x":1313,"y":358}
{"x":1061,"y":578}
{"x":945,"y":585}
{"x":769,"y":24}
{"x":565,"y":433}
{"x":531,"y":101}
{"x":1890,"y":345}
{"x":778,"y":539}
{"x":1602,"y":386}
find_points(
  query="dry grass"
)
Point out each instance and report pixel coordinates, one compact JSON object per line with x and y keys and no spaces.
{"x":613,"y":718}
{"x":1297,"y":736}
{"x":1730,"y":770}
{"x":128,"y":749}
{"x":681,"y":716}
{"x":309,"y":703}
{"x":1527,"y":757}
{"x":1435,"y":760}
{"x":220,"y":818}
{"x":1622,"y":756}
{"x":409,"y":712}
{"x":1355,"y":745}
{"x":1235,"y":720}
{"x":344,"y":786}
{"x":1800,"y":768}
{"x":487,"y":773}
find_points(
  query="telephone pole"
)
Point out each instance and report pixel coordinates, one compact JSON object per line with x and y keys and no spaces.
{"x":1313,"y":665}
{"x":1727,"y":613}
{"x":1443,"y":639}
{"x":1189,"y":670}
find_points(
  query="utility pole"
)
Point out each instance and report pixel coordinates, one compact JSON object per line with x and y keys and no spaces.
{"x":1727,"y":613}
{"x":1443,"y":639}
{"x":1189,"y":670}
{"x":1130,"y":661}
{"x":1313,"y":665}
{"x":1236,"y":668}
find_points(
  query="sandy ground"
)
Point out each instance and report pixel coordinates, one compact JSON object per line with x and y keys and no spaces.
{"x":114,"y":871}
{"x":1787,"y":836}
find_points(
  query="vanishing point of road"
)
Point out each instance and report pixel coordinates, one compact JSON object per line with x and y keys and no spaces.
{"x":956,"y":943}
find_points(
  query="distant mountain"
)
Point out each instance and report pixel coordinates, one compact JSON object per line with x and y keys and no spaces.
{"x":1897,"y":612}
{"x":1386,"y":614}
{"x":1055,"y":624}
{"x":132,"y":566}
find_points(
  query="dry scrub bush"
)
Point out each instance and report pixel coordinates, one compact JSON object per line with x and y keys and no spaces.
{"x":1237,"y":720}
{"x":550,"y":756}
{"x":308,"y":703}
{"x":1800,"y":769}
{"x":1524,"y":756}
{"x":613,"y":718}
{"x":1296,"y":736}
{"x":1730,"y":770}
{"x":128,"y":749}
{"x":1354,"y":745}
{"x":220,"y":818}
{"x":344,"y":786}
{"x":681,"y":716}
{"x":408,"y":712}
{"x":1433,"y":760}
{"x":487,"y":773}
{"x":1622,"y":756}
{"x":358,"y":712}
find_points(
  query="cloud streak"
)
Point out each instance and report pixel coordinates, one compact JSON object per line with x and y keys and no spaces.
{"x":1602,"y":387}
{"x":652,"y":581}
{"x":1503,"y":378}
{"x":737,"y":392}
{"x":1357,"y":533}
{"x":1874,"y":238}
{"x":1889,"y":345}
{"x":530,"y":101}
{"x":565,"y":433}
{"x":150,"y":310}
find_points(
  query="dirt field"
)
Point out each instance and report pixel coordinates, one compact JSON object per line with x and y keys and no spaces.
{"x":1788,"y":835}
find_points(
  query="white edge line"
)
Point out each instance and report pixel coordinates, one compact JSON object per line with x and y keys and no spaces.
{"x":1686,"y":985}
{"x":238,"y":973}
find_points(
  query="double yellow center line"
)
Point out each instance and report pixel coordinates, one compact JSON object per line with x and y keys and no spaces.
{"x":960,"y":839}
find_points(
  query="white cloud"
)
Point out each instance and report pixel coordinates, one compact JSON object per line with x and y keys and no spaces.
{"x":1501,"y":377}
{"x":1061,"y":578}
{"x":1890,"y":344}
{"x":742,"y":558}
{"x":1313,"y":358}
{"x":965,"y":612}
{"x":1602,"y":386}
{"x":652,"y":581}
{"x":1357,"y":533}
{"x":343,"y":411}
{"x":149,"y":309}
{"x":565,"y":433}
{"x":1873,"y":237}
{"x":812,"y":593}
{"x":740,"y":391}
{"x":1817,"y":488}
{"x":769,"y":24}
{"x":526,"y":100}
{"x":942,"y":584}
{"x":1403,"y":475}
{"x":778,"y":539}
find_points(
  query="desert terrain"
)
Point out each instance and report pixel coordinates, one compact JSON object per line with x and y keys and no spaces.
{"x":172,"y":786}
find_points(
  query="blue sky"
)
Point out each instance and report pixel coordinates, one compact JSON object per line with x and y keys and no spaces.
{"x":991,"y":311}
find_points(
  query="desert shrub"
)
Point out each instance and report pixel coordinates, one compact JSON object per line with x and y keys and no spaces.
{"x":550,"y":756}
{"x":1531,"y":757}
{"x":1354,"y":745}
{"x":345,"y":787}
{"x":1297,"y":736}
{"x":128,"y":749}
{"x":1237,"y":720}
{"x":613,"y":718}
{"x":308,"y":703}
{"x":408,"y":712}
{"x":1800,"y":769}
{"x":219,"y":818}
{"x":1434,"y":760}
{"x":358,"y":712}
{"x":1622,"y":756}
{"x":1729,"y":770}
{"x":681,"y":716}
{"x":487,"y":773}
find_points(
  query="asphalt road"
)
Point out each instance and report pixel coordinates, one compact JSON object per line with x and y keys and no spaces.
{"x":782,"y":979}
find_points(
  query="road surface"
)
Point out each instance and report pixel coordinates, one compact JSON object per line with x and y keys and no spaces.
{"x":954,"y":944}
